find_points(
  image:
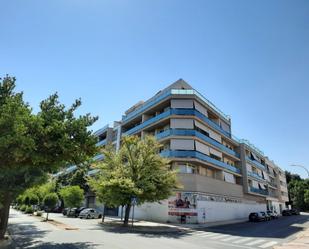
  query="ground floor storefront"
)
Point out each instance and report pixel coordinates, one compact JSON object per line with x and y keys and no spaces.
{"x":190,"y":207}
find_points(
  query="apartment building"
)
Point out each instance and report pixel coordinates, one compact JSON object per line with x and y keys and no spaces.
{"x":223,"y":178}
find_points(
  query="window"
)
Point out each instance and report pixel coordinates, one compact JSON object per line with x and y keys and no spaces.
{"x":186,"y":169}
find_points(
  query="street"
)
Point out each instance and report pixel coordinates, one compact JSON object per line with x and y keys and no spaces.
{"x":31,"y":232}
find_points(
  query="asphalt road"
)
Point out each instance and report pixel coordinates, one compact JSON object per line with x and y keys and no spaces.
{"x":30,"y":232}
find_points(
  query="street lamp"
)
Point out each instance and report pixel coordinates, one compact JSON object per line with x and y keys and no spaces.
{"x":301,"y":166}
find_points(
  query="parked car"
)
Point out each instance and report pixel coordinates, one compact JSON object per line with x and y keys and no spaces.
{"x":267,"y":217}
{"x":273,"y":214}
{"x":65,"y":211}
{"x":295,"y":211}
{"x":90,"y":213}
{"x":256,"y":216}
{"x":286,"y":212}
{"x":71,"y":212}
{"x":57,"y":210}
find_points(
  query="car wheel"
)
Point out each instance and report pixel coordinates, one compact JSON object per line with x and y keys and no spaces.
{"x":100,"y":216}
{"x":88,"y":216}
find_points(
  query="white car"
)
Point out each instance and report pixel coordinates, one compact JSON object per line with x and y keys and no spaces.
{"x":90,"y":213}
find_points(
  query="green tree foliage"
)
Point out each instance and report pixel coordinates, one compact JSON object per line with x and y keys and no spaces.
{"x":297,"y":190}
{"x":72,"y":196}
{"x":136,"y":170}
{"x":50,"y":201}
{"x":33,"y":145}
{"x":289,"y":177}
{"x":306,"y":197}
{"x":77,"y":177}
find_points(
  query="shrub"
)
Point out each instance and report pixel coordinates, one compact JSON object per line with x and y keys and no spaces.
{"x":50,"y":201}
{"x":72,"y":196}
{"x":29,"y":210}
{"x":23,"y":208}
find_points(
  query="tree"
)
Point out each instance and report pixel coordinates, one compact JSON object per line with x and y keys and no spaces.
{"x":50,"y":201}
{"x":306,"y":197}
{"x":136,"y":170}
{"x":33,"y":145}
{"x":297,"y":190}
{"x":73,"y":196}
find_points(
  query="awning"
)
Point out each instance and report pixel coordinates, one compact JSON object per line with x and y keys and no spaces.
{"x":182,"y":103}
{"x":203,"y":148}
{"x":200,"y":108}
{"x":215,"y":152}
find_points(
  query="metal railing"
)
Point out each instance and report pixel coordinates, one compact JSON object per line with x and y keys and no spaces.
{"x":183,"y":132}
{"x":255,"y":175}
{"x":256,"y":163}
{"x":173,"y":111}
{"x":201,"y":156}
{"x":259,"y":191}
{"x":156,"y":99}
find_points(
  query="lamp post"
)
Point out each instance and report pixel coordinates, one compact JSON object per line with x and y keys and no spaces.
{"x":301,"y":166}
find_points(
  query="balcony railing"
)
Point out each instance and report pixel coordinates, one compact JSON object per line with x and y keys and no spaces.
{"x":256,"y":163}
{"x":201,"y":156}
{"x":259,"y":191}
{"x":255,"y":175}
{"x":101,"y":143}
{"x":191,"y":112}
{"x":273,"y":184}
{"x":166,"y":94}
{"x":182,"y":132}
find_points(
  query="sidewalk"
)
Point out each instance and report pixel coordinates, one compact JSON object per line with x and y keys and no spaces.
{"x":301,"y":242}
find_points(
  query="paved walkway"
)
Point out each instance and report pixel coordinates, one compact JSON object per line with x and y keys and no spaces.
{"x":301,"y":242}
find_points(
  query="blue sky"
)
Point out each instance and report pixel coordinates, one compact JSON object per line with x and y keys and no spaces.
{"x":251,"y":58}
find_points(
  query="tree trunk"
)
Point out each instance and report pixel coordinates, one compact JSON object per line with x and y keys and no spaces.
{"x":47,"y":216}
{"x":4,"y":214}
{"x":127,"y":215}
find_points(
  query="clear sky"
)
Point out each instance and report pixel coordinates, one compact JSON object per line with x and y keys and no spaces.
{"x":251,"y":58}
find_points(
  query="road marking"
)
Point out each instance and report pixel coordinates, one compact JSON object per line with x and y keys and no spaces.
{"x":230,"y":238}
{"x":242,"y":240}
{"x":255,"y":242}
{"x":209,"y":235}
{"x":220,"y":236}
{"x":268,"y":244}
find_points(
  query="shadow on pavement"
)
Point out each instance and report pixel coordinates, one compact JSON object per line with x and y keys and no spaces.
{"x":64,"y":246}
{"x":28,"y":236}
{"x":145,"y":231}
{"x":280,"y":228}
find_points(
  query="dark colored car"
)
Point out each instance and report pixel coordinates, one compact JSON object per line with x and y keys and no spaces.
{"x":294,"y":211}
{"x":267,"y":217}
{"x":257,"y":216}
{"x":74,"y":212}
{"x":286,"y":212}
{"x":65,"y":211}
{"x":57,"y":210}
{"x":272,"y":214}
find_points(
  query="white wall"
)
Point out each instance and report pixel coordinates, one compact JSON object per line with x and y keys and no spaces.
{"x":215,"y":211}
{"x":220,"y":211}
{"x":151,"y":212}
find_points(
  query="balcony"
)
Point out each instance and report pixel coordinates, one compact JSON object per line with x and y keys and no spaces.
{"x":272,"y":184}
{"x":258,"y":191}
{"x":255,"y":176}
{"x":182,"y":132}
{"x":153,"y":101}
{"x":98,"y":157}
{"x":101,"y":143}
{"x":198,"y":155}
{"x":189,"y":112}
{"x":256,"y":163}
